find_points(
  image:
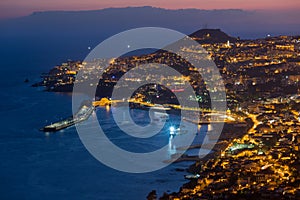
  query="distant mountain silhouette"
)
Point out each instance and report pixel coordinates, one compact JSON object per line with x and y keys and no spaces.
{"x":211,"y":36}
{"x":106,"y":22}
{"x":54,"y":36}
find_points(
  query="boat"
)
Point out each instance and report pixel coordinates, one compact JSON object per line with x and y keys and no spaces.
{"x":192,"y":176}
{"x":160,"y":117}
{"x":158,"y":107}
{"x":82,"y":115}
{"x":177,"y":131}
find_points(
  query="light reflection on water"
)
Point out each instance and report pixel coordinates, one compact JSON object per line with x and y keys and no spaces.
{"x":57,"y":165}
{"x":140,"y":145}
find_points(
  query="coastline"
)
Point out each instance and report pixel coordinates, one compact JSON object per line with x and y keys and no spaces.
{"x":229,"y":133}
{"x":220,"y":146}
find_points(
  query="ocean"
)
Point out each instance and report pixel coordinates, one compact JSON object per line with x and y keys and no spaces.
{"x":36,"y":165}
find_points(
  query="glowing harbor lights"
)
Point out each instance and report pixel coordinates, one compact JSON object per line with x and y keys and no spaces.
{"x":172,"y":130}
{"x":97,"y":142}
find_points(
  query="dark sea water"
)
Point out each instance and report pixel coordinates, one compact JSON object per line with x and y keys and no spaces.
{"x":35,"y":165}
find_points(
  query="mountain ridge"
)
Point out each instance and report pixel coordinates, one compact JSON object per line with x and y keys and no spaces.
{"x":243,"y":23}
{"x":131,"y":7}
{"x":51,"y":37}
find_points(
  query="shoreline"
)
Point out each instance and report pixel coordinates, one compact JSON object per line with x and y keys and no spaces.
{"x":229,"y":133}
{"x":194,"y":168}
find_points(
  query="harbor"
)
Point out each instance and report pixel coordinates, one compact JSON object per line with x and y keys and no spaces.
{"x":208,"y":116}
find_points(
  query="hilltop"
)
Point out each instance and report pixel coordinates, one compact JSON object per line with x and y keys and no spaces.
{"x":209,"y":36}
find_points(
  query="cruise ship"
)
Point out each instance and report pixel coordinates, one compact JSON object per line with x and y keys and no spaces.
{"x":160,"y":117}
{"x":82,"y":115}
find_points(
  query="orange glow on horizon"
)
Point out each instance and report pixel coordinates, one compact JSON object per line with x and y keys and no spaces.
{"x":11,"y":8}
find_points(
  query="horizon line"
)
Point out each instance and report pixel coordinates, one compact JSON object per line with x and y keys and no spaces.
{"x":154,"y":7}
